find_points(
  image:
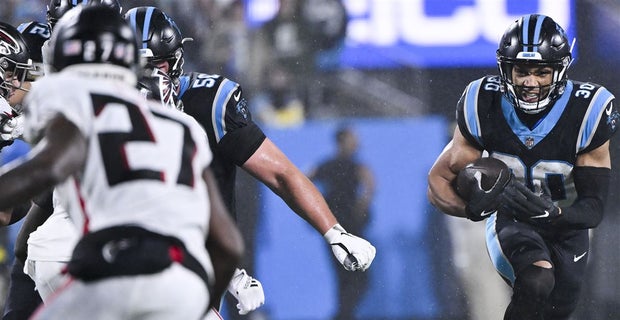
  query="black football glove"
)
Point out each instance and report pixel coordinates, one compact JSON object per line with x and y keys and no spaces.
{"x":528,"y":206}
{"x":483,"y":203}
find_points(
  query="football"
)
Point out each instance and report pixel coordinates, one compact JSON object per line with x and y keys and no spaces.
{"x":481,"y":175}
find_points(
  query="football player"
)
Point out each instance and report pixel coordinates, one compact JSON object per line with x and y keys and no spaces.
{"x":47,"y":237}
{"x":22,"y":299}
{"x":133,"y":175}
{"x":219,"y":105}
{"x":15,"y":66}
{"x":553,"y":133}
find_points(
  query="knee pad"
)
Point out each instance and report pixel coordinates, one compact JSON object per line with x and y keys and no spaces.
{"x":534,"y":282}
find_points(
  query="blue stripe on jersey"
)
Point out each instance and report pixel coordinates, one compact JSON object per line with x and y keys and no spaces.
{"x":219,"y":107}
{"x":501,"y":263}
{"x":184,"y":82}
{"x":470,"y":110}
{"x":593,"y":117}
{"x":544,"y":125}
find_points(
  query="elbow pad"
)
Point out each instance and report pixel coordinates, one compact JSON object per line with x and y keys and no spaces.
{"x":592,"y":185}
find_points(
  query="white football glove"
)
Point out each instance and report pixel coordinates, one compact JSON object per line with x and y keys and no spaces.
{"x":247,"y":290}
{"x":11,"y":127}
{"x":11,"y":124}
{"x":354,"y":253}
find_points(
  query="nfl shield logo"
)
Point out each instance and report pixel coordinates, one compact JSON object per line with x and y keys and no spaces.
{"x":529,"y":142}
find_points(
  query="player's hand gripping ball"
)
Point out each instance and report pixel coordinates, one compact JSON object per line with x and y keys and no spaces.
{"x":480,"y":184}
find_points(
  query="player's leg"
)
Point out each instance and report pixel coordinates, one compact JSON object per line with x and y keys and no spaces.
{"x":174,"y":293}
{"x":514,"y":248}
{"x":570,"y":260}
{"x":532,"y":287}
{"x":22,"y":299}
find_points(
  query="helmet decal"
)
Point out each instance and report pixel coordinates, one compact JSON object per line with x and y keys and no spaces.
{"x":8,"y":44}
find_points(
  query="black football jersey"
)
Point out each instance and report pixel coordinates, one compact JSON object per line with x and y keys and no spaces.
{"x":217,"y":103}
{"x":583,"y":118}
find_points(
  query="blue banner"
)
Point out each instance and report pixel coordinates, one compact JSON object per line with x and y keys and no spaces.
{"x":427,"y":33}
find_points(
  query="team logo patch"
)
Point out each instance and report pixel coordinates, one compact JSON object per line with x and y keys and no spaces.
{"x":242,"y":108}
{"x":612,"y":120}
{"x":8,"y":44}
{"x":612,"y":116}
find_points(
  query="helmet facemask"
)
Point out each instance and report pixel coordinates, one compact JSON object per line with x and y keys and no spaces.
{"x":13,"y":75}
{"x":175,"y":62}
{"x":547,"y":93}
{"x":534,"y":43}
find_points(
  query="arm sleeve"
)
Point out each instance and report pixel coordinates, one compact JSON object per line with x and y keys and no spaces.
{"x":239,"y":145}
{"x":592,"y":184}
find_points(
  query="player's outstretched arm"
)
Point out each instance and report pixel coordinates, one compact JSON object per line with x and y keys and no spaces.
{"x":269,"y":165}
{"x":60,"y":153}
{"x":224,"y":242}
{"x":455,"y":156}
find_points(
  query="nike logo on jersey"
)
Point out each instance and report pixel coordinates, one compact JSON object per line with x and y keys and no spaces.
{"x":237,"y":95}
{"x":478,"y":177}
{"x":608,"y":110}
{"x":546,"y":214}
{"x":578,"y":257}
{"x":486,"y":213}
{"x":111,"y":249}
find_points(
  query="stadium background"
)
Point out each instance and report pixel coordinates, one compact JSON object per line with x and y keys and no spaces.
{"x":396,"y":77}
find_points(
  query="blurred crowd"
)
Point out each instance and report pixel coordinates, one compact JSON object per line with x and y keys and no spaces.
{"x":277,"y":63}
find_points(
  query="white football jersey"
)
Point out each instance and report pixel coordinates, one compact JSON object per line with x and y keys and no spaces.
{"x":4,"y":106}
{"x":55,"y":239}
{"x":144,"y":164}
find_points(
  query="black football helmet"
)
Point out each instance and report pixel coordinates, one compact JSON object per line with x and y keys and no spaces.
{"x":159,"y":37}
{"x":536,"y":40}
{"x":93,"y":35}
{"x":35,"y":34}
{"x":57,"y":8}
{"x":14,"y":60}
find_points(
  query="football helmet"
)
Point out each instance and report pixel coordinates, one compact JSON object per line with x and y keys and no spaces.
{"x":35,"y":34}
{"x":157,"y":85}
{"x":57,"y":8}
{"x":159,"y":37}
{"x":14,"y":60}
{"x":93,"y":35}
{"x":535,"y":40}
